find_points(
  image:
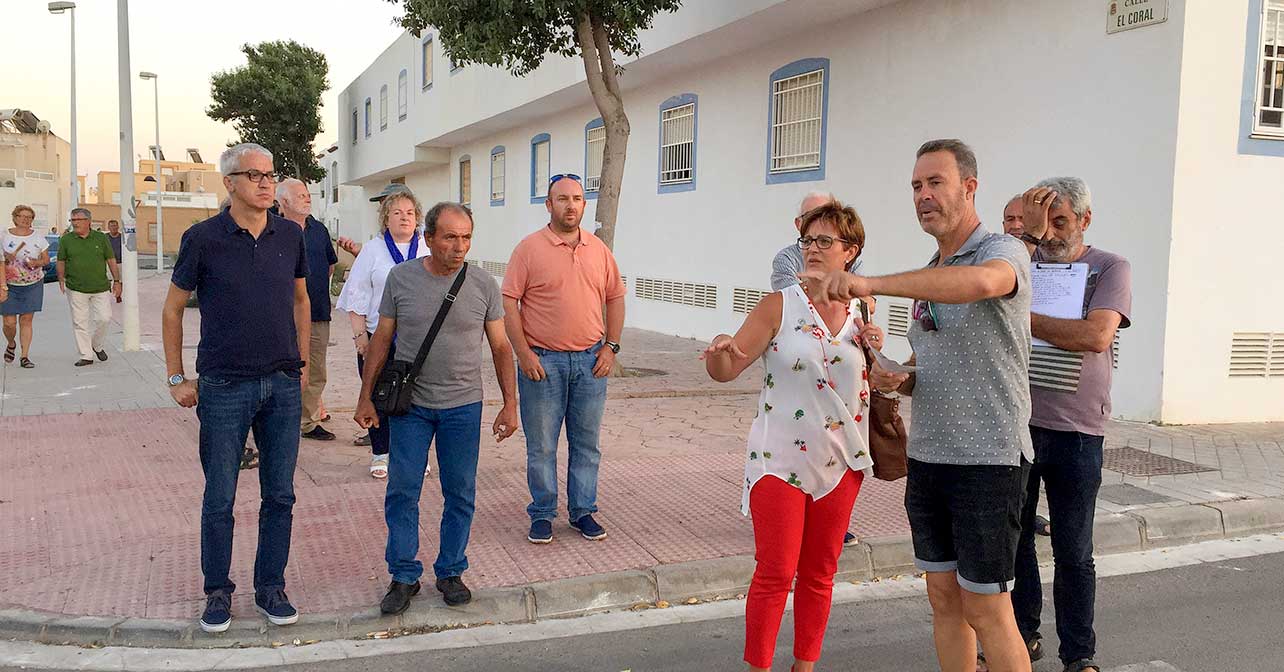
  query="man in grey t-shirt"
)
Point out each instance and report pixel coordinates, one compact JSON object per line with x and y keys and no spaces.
{"x":445,"y":402}
{"x":1068,"y":420}
{"x":968,"y":447}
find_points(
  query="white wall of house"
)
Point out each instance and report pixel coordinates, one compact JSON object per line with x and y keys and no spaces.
{"x":1038,"y":89}
{"x":1225,"y":273}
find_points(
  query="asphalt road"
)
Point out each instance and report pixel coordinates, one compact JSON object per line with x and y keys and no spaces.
{"x":1214,"y":617}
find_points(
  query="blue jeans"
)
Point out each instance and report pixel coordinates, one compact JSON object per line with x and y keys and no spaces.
{"x":1070,"y":465}
{"x":378,"y":435}
{"x":568,"y":394}
{"x":228,"y":409}
{"x":458,"y":434}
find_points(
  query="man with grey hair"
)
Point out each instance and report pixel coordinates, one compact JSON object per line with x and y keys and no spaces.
{"x":1067,"y":426}
{"x":84,"y":259}
{"x":296,"y":205}
{"x":250,"y":268}
{"x":788,"y":262}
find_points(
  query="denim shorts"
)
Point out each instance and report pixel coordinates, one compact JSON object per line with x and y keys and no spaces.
{"x":967,"y":518}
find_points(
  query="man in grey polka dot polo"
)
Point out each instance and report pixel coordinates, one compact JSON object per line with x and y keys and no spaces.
{"x":969,"y":444}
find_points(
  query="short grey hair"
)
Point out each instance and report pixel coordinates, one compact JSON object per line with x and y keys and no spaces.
{"x":963,"y":155}
{"x":1074,"y":190}
{"x":230,"y":160}
{"x":283,"y":188}
{"x":82,"y":211}
{"x":827,"y":195}
{"x":435,"y":213}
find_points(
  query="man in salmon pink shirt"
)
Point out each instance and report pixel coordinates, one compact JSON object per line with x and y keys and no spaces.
{"x":560,"y":284}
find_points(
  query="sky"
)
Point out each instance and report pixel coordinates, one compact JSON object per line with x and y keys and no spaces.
{"x":184,"y":42}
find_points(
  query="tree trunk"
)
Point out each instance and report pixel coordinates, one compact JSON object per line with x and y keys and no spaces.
{"x":599,"y":71}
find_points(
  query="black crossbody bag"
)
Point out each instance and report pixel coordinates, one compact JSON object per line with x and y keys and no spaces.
{"x":393,"y":387}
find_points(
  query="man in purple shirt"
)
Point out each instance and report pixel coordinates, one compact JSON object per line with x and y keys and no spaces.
{"x":1068,"y":421}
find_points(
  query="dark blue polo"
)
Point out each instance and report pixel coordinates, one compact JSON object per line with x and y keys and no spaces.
{"x":245,"y":288}
{"x":321,"y":257}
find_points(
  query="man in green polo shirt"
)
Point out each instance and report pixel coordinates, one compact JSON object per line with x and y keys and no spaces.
{"x":84,"y":258}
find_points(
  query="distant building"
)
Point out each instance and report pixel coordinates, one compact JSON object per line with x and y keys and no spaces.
{"x":35,"y":165}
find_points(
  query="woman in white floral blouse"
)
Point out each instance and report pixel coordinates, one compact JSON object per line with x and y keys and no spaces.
{"x":808,"y":450}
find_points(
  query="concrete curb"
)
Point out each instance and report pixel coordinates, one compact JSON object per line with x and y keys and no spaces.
{"x":874,"y":558}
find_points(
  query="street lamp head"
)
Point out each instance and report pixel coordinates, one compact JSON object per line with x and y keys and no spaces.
{"x":60,"y":7}
{"x":147,"y":75}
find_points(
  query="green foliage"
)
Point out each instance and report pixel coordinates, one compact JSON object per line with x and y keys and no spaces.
{"x":518,"y":34}
{"x":275,"y":100}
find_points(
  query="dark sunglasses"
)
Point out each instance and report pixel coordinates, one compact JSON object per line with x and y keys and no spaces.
{"x":925,"y":315}
{"x":553,"y":180}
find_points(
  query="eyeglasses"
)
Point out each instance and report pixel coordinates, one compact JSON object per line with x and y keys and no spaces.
{"x":925,"y":315}
{"x":823,"y":242}
{"x":256,"y":176}
{"x":79,"y":219}
{"x":553,"y":180}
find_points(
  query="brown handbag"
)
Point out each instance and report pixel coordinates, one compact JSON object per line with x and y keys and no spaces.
{"x":887,"y":437}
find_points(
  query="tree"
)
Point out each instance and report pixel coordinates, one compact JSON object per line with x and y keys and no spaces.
{"x":519,"y":34}
{"x":275,"y":100}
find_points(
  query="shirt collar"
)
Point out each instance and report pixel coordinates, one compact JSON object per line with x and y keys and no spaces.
{"x":230,"y":225}
{"x":554,"y":240}
{"x":969,"y":246}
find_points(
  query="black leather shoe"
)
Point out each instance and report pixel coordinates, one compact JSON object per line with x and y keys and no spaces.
{"x":83,"y":362}
{"x":102,"y":355}
{"x":318,"y":433}
{"x":454,"y":591}
{"x":398,"y":597}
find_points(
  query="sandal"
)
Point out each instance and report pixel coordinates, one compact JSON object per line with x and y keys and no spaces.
{"x":1082,"y":665}
{"x":1034,"y":646}
{"x":10,"y":352}
{"x":379,"y":467}
{"x":981,"y":665}
{"x":26,"y":363}
{"x":249,"y":458}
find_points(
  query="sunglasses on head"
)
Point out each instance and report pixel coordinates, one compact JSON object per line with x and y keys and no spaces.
{"x":553,"y":180}
{"x":925,"y":315}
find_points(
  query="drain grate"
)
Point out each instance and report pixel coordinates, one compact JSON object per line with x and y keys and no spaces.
{"x":1133,"y":462}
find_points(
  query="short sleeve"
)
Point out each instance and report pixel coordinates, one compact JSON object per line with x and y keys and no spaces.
{"x":494,"y":300}
{"x":1114,"y":291}
{"x":388,"y":304}
{"x":614,"y":284}
{"x":355,"y":297}
{"x":187,"y":267}
{"x":515,"y":276}
{"x":1009,"y":249}
{"x":784,"y":270}
{"x":65,"y":251}
{"x":105,"y":247}
{"x":330,"y":257}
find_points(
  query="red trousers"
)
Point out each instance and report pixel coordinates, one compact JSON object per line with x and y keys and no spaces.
{"x":794,"y":536}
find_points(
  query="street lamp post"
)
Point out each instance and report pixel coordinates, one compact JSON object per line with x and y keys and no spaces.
{"x":128,"y":214}
{"x":160,"y":212}
{"x":70,"y":8}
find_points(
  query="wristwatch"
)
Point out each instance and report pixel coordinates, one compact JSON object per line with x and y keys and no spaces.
{"x":176,"y":380}
{"x":615,"y":347}
{"x":1027,"y":238}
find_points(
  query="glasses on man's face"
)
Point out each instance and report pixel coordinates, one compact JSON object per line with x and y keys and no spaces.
{"x":256,"y":176}
{"x":823,"y":242}
{"x":925,"y":315}
{"x":553,"y":180}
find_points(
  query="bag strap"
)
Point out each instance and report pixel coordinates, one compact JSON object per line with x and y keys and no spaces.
{"x":449,"y":301}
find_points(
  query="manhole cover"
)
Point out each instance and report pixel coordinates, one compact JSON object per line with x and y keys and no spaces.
{"x":1124,"y":494}
{"x":1133,"y":462}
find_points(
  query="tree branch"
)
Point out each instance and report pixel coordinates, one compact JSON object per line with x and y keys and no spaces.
{"x":592,"y":65}
{"x":606,"y":60}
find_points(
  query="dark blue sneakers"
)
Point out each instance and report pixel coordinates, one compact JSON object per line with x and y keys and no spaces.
{"x":218,"y":613}
{"x":541,"y":532}
{"x":276,"y":607}
{"x":589,"y":529}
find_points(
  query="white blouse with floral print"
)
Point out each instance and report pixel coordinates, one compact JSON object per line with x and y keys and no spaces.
{"x":812,"y":422}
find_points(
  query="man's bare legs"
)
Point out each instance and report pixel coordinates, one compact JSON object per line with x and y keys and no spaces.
{"x":960,"y":618}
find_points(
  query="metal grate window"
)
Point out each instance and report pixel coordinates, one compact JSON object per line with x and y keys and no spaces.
{"x":798,"y":104}
{"x":1270,"y":101}
{"x":898,"y":319}
{"x":744,"y":299}
{"x":677,"y":144}
{"x":497,"y":176}
{"x":40,"y":176}
{"x":426,"y":63}
{"x":1257,"y":354}
{"x":595,"y":148}
{"x":681,"y":293}
{"x":466,"y":181}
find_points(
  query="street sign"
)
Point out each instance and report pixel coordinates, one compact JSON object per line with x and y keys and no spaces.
{"x":1128,"y":14}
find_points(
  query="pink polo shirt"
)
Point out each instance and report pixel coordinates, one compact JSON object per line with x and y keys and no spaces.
{"x":562,"y":290}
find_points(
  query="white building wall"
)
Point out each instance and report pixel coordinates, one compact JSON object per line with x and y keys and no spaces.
{"x":899,"y":75}
{"x":1225,"y":275}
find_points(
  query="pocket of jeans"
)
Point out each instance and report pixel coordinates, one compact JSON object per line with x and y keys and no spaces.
{"x":293,"y":374}
{"x":212,"y":381}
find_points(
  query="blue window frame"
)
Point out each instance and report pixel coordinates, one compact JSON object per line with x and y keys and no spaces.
{"x":594,"y":157}
{"x":466,"y":180}
{"x":425,"y":61}
{"x":354,"y":126}
{"x":498,"y":168}
{"x":367,"y":117}
{"x":678,"y":134}
{"x":1255,"y":137}
{"x":403,"y":95}
{"x":797,"y":121}
{"x":541,"y":151}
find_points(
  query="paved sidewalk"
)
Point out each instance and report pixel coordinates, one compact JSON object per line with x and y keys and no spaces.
{"x":99,"y":509}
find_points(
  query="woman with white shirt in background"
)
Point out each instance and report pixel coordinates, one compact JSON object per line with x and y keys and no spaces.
{"x":399,"y":240}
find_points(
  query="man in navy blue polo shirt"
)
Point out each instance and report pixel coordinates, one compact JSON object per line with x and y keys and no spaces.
{"x":250,"y":269}
{"x":296,"y":205}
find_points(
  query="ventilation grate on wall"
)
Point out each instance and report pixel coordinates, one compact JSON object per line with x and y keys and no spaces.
{"x":1257,"y":354}
{"x":495,"y":268}
{"x":898,"y":318}
{"x":1114,"y":350}
{"x":744,"y":299}
{"x":682,"y":293}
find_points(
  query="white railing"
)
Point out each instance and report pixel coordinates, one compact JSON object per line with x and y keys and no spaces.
{"x":40,"y":175}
